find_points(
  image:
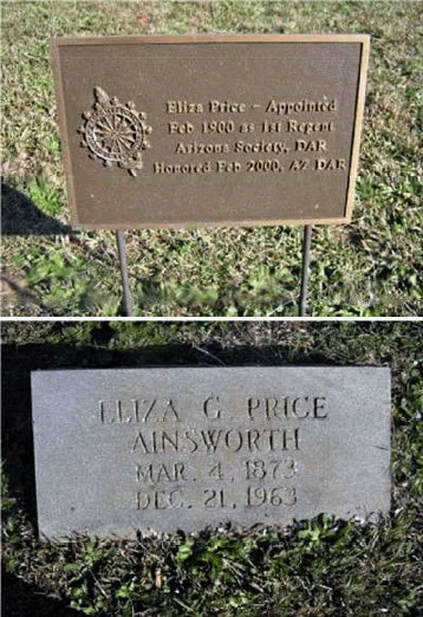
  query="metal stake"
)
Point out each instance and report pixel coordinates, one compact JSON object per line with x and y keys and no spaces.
{"x":127,"y":298}
{"x":305,"y":271}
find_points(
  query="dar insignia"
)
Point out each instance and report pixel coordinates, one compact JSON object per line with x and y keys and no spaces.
{"x":115,"y":134}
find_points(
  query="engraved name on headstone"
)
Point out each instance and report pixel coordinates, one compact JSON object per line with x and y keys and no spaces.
{"x":177,"y":131}
{"x":162,"y":449}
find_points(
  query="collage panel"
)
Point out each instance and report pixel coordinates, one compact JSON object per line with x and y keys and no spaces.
{"x":212,"y":468}
{"x":214,"y":154}
{"x":211,"y":308}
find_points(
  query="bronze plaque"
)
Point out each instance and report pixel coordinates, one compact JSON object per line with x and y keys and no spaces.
{"x":187,"y":131}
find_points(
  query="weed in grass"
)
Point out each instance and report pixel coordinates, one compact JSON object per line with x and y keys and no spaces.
{"x":47,"y":198}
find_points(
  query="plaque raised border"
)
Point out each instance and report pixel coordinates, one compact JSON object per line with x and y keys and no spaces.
{"x":198,"y":40}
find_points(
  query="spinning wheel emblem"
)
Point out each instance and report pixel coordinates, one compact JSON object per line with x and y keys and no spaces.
{"x":115,"y":134}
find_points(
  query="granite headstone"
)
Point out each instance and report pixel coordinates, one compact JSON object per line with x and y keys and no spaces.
{"x":162,"y":449}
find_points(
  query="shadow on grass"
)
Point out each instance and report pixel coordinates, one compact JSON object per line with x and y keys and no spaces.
{"x":23,"y":294}
{"x":21,"y":217}
{"x":23,"y":600}
{"x":19,"y":361}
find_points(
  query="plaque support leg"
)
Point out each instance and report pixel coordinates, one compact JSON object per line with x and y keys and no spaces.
{"x":127,"y":298}
{"x":305,"y":270}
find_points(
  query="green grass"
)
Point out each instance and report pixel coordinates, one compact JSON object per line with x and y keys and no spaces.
{"x":318,"y":568}
{"x":367,"y":268}
{"x":45,"y":196}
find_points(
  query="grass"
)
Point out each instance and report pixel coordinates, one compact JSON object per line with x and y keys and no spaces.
{"x":320,"y":568}
{"x":367,"y":268}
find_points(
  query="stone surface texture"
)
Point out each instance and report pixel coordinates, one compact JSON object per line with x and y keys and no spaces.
{"x":162,"y":449}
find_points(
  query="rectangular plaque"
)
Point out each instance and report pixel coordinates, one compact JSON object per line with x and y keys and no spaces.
{"x":162,"y":449}
{"x":180,"y":131}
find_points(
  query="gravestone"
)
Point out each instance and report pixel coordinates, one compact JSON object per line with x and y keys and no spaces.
{"x":162,"y":449}
{"x":187,"y":131}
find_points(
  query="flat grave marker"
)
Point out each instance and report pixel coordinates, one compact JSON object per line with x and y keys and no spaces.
{"x":162,"y":449}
